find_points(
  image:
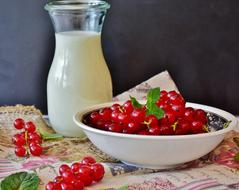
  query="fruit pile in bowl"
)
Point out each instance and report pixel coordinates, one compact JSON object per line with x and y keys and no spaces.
{"x":161,"y":132}
{"x":163,"y":114}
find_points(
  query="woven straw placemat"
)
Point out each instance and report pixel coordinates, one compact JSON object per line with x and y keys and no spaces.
{"x":64,"y":149}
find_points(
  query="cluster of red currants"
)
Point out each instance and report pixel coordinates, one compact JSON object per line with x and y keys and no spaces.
{"x":177,"y":119}
{"x":77,"y":176}
{"x":185,"y":120}
{"x":27,"y":140}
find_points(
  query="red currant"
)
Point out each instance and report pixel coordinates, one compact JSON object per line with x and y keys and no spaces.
{"x":19,"y":139}
{"x":123,"y":118}
{"x":163,"y":94}
{"x":128,"y":107}
{"x":19,"y":123}
{"x":115,"y":107}
{"x":94,"y":117}
{"x":68,"y":176}
{"x":172,"y":93}
{"x":114,"y":115}
{"x":170,"y":117}
{"x":177,"y":100}
{"x":75,"y":167}
{"x":58,"y":186}
{"x":151,"y":120}
{"x":105,"y":114}
{"x":166,"y":129}
{"x":35,"y":149}
{"x":165,"y":106}
{"x":50,"y":186}
{"x":85,"y":175}
{"x":197,"y":127}
{"x":132,"y":127}
{"x":201,"y":116}
{"x":189,"y":114}
{"x":100,"y":124}
{"x":155,"y":130}
{"x":159,"y":102}
{"x":98,"y":171}
{"x":30,"y":127}
{"x":178,"y":110}
{"x":106,"y":125}
{"x":34,"y":137}
{"x":138,"y":115}
{"x":58,"y":179}
{"x":163,"y":120}
{"x":183,"y":127}
{"x":78,"y":185}
{"x":20,"y":151}
{"x":88,"y":160}
{"x":66,"y":186}
{"x":63,"y":168}
{"x":114,"y":127}
{"x":143,"y":132}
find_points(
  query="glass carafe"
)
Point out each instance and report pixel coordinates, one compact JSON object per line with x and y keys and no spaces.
{"x":79,"y":76}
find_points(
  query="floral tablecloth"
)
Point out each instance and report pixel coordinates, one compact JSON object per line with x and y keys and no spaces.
{"x":217,"y":170}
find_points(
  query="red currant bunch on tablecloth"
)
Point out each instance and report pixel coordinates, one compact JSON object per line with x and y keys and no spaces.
{"x":77,"y":176}
{"x":165,"y":113}
{"x":28,"y":141}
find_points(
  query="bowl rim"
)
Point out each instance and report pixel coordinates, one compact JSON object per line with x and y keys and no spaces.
{"x":228,"y":116}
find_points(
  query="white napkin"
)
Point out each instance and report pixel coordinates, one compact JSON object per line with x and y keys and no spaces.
{"x":162,"y":80}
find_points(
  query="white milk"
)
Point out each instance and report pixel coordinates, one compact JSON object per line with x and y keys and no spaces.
{"x":78,"y":77}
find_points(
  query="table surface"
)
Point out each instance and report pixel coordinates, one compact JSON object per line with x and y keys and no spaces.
{"x":217,"y":170}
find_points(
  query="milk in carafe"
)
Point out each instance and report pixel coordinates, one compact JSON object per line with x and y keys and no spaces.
{"x":78,"y":78}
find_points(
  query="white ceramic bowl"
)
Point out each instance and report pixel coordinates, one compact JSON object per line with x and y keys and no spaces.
{"x":157,"y":152}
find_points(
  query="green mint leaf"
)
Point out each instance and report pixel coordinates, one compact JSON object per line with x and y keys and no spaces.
{"x":153,"y":109}
{"x":20,"y":181}
{"x":236,"y":157}
{"x":49,"y":136}
{"x":153,"y":95}
{"x":135,"y":103}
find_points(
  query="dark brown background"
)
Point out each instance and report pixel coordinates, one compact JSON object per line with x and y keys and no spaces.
{"x":197,"y":41}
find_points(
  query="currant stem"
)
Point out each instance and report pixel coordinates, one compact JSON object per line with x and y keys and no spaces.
{"x":147,"y":123}
{"x":121,"y":109}
{"x":205,"y":128}
{"x":175,"y":126}
{"x":27,"y":144}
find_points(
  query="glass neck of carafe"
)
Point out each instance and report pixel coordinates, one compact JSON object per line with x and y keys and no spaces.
{"x":77,"y":15}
